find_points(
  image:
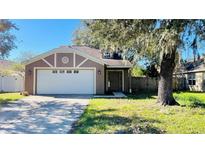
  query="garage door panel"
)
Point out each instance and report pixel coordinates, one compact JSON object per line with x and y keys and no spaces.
{"x":65,"y":83}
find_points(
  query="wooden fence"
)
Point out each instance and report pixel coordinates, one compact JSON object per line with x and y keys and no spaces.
{"x":151,"y":84}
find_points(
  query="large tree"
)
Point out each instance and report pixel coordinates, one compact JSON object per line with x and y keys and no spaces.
{"x":155,"y":39}
{"x":6,"y":38}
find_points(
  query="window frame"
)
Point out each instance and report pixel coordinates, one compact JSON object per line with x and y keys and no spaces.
{"x":192,"y":79}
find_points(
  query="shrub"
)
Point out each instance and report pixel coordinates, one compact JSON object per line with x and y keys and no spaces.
{"x":24,"y":93}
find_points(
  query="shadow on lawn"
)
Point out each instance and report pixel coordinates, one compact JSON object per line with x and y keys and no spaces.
{"x":134,"y":125}
{"x":143,"y":95}
{"x":196,"y":103}
{"x":6,"y":100}
{"x":193,"y":102}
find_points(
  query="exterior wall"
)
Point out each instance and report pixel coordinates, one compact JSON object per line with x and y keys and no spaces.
{"x":99,"y":76}
{"x":29,"y":70}
{"x":59,"y":57}
{"x":199,"y":86}
{"x":126,"y":78}
{"x":79,"y":59}
{"x":50,"y":59}
{"x":29,"y":74}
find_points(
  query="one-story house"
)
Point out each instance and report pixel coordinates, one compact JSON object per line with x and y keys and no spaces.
{"x":193,"y":74}
{"x":76,"y":70}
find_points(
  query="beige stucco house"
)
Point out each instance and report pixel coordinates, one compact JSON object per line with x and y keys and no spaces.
{"x":193,"y":74}
{"x":76,"y":70}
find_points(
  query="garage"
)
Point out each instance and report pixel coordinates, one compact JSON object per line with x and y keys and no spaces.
{"x":65,"y":81}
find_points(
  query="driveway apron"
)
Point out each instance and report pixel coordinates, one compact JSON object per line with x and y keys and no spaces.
{"x":42,"y":114}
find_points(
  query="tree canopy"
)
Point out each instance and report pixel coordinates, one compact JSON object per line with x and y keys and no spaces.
{"x":141,"y":38}
{"x":6,"y":38}
{"x":158,"y":40}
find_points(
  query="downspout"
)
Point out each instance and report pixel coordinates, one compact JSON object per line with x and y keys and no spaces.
{"x":1,"y":88}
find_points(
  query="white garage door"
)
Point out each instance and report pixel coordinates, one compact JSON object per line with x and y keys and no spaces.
{"x":65,"y":82}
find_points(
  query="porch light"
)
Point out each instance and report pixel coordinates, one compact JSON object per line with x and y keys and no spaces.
{"x":99,"y":72}
{"x":29,"y":72}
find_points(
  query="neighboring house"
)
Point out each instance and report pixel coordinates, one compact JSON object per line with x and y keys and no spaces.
{"x":10,"y":81}
{"x":194,"y":75}
{"x":76,"y":70}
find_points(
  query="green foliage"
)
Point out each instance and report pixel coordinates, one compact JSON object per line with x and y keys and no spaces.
{"x":190,"y":99}
{"x":143,"y":38}
{"x":8,"y":97}
{"x":6,"y":38}
{"x":151,"y":71}
{"x":83,"y":37}
{"x":18,"y":67}
{"x":137,"y":71}
{"x":5,"y":72}
{"x":140,"y":114}
{"x":14,"y":68}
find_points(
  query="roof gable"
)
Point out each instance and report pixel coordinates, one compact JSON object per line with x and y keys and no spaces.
{"x":87,"y":52}
{"x":66,"y":49}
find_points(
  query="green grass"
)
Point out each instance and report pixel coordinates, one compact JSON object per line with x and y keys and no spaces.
{"x":141,"y":114}
{"x":8,"y":97}
{"x":190,"y":99}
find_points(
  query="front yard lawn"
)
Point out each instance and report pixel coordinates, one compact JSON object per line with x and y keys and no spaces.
{"x":141,"y":114}
{"x":8,"y":97}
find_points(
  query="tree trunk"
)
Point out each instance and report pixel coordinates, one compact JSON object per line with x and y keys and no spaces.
{"x":165,"y":89}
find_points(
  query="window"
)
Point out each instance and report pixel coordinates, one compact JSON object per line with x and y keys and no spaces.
{"x":69,"y":71}
{"x":76,"y":71}
{"x":192,"y":79}
{"x":204,"y":78}
{"x":62,"y":71}
{"x":55,"y":71}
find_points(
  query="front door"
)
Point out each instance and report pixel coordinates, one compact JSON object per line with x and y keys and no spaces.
{"x":114,"y":81}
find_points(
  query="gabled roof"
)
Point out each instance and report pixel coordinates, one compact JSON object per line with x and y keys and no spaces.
{"x":192,"y":66}
{"x":66,"y":49}
{"x":91,"y":53}
{"x":114,"y":63}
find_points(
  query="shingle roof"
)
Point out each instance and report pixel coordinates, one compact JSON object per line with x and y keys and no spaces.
{"x":98,"y":54}
{"x":117,"y":62}
{"x":190,"y":66}
{"x":90,"y":51}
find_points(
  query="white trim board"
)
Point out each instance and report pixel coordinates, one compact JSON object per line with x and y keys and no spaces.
{"x":118,"y":66}
{"x":47,"y":62}
{"x":82,"y":62}
{"x":55,"y":59}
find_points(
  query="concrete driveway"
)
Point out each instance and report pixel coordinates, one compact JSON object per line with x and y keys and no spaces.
{"x":42,"y":114}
